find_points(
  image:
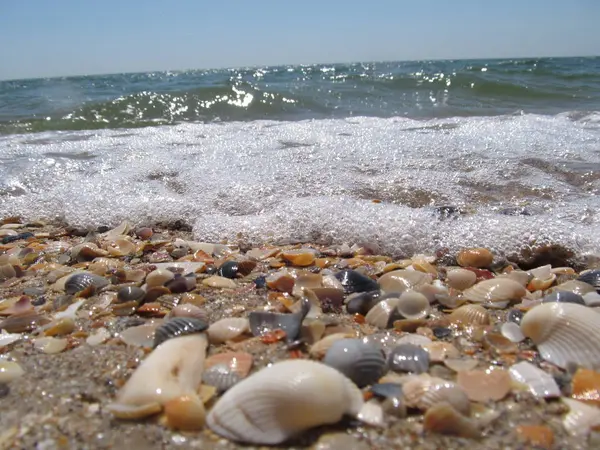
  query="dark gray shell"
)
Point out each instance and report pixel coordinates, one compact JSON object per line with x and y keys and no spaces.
{"x":229,"y":269}
{"x":262,"y":322}
{"x":354,"y":281}
{"x":180,"y":284}
{"x":178,"y":326}
{"x":408,"y":358}
{"x":361,"y":362}
{"x":591,"y":277}
{"x":221,"y":377}
{"x":514,"y":315}
{"x":80,"y":281}
{"x":130,"y":293}
{"x":387,"y":390}
{"x":362,"y":302}
{"x":564,"y":297}
{"x":385,"y":341}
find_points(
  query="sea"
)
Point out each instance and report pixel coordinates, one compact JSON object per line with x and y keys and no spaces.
{"x":406,"y":157}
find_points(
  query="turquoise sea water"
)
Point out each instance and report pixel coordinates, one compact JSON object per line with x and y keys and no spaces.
{"x":299,"y":153}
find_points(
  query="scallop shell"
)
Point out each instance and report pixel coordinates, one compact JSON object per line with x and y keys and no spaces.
{"x":408,"y":358}
{"x":354,"y":281}
{"x":413,"y":305}
{"x":84,"y":280}
{"x":178,"y":326}
{"x":361,"y":362}
{"x":470,"y":315}
{"x":227,"y":329}
{"x":401,"y":280}
{"x":495,"y":292}
{"x":460,"y":279}
{"x":564,"y":333}
{"x":423,"y":392}
{"x":383,"y":314}
{"x":538,"y":382}
{"x":310,"y":393}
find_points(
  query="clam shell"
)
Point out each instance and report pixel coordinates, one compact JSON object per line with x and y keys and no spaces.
{"x":575,"y":286}
{"x":180,"y":284}
{"x":9,"y":371}
{"x":362,"y":302}
{"x":319,"y":349}
{"x":444,"y":419}
{"x":185,"y":413}
{"x":178,"y":326}
{"x":538,"y":382}
{"x":581,"y":418}
{"x":563,"y":297}
{"x":484,"y":385}
{"x":84,"y":280}
{"x":87,"y":251}
{"x":564,"y":333}
{"x":401,"y":280}
{"x":413,"y":305}
{"x":219,"y":282}
{"x":512,"y":332}
{"x":408,"y":358}
{"x":310,"y":393}
{"x":354,"y":281}
{"x":423,"y":392}
{"x":460,"y":279}
{"x":227,"y":329}
{"x":121,"y":247}
{"x":159,"y":277}
{"x":262,"y":322}
{"x":475,"y":257}
{"x":130,"y":293}
{"x":189,"y":310}
{"x":414,"y":339}
{"x":384,"y":313}
{"x":363,"y":363}
{"x":467,"y":315}
{"x":494,"y":292}
{"x":591,"y":277}
{"x":585,"y":386}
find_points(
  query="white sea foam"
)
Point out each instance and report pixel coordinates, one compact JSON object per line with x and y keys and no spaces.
{"x":315,"y":180}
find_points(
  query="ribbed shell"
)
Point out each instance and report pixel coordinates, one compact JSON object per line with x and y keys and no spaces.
{"x":80,"y":281}
{"x":461,"y":279}
{"x":221,"y":377}
{"x":591,"y":277}
{"x":494,"y":291}
{"x":361,"y":362}
{"x":470,"y":315}
{"x":564,"y":333}
{"x":354,"y":281}
{"x":424,"y":391}
{"x":401,"y":280}
{"x":178,"y":326}
{"x":581,"y":418}
{"x":283,"y":400}
{"x":537,"y":381}
{"x":227,"y":329}
{"x":408,"y":358}
{"x":384,"y":313}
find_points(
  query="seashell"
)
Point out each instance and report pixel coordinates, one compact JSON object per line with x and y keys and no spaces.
{"x":362,"y":302}
{"x":7,"y":271}
{"x":9,"y":371}
{"x":312,"y":331}
{"x":329,"y":298}
{"x":339,"y":441}
{"x":581,"y":418}
{"x":439,"y":351}
{"x":120,"y":230}
{"x":499,"y":343}
{"x":50,"y":345}
{"x":71,"y":311}
{"x":563,"y":297}
{"x":519,"y":276}
{"x":172,"y":370}
{"x":423,"y":392}
{"x":133,"y":412}
{"x":495,"y":292}
{"x":536,"y":436}
{"x":9,"y":338}
{"x":413,"y":305}
{"x":575,"y":286}
{"x":460,"y":279}
{"x":409,"y":325}
{"x":444,"y":419}
{"x":21,"y":305}
{"x":179,"y":284}
{"x":61,"y":326}
{"x":153,"y":293}
{"x":408,"y":358}
{"x":401,"y":280}
{"x":140,"y":336}
{"x":144,"y":233}
{"x":87,"y":251}
{"x":321,"y":347}
{"x":178,"y":326}
{"x":537,"y":284}
{"x":121,"y":247}
{"x":262,"y":322}
{"x":181,"y":266}
{"x":354,"y":281}
{"x":564,"y":333}
{"x":484,"y":385}
{"x":238,"y":362}
{"x":235,"y":269}
{"x":185,"y":413}
{"x":515,"y":315}
{"x":585,"y":386}
{"x":387,"y":390}
{"x":372,"y":414}
{"x":221,"y":377}
{"x":159,"y":277}
{"x":189,"y":310}
{"x":538,"y":382}
{"x":227,"y":329}
{"x":130,"y":294}
{"x":311,"y":393}
{"x":475,"y":257}
{"x":384,"y":313}
{"x":414,"y":339}
{"x":361,"y":362}
{"x":219,"y":282}
{"x":460,"y":364}
{"x":592,"y":299}
{"x":98,"y":337}
{"x":84,"y":280}
{"x":512,"y":332}
{"x":467,"y":315}
{"x":22,"y":322}
{"x":330,"y":281}
{"x":436,"y":291}
{"x":301,"y":257}
{"x":591,"y":277}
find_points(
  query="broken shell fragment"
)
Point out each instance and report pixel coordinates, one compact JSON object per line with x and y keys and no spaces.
{"x":384,"y":313}
{"x":484,"y":385}
{"x":178,"y":326}
{"x":9,"y":371}
{"x":311,"y":393}
{"x":354,"y":281}
{"x":262,"y":322}
{"x":586,"y":386}
{"x":564,"y":333}
{"x":185,"y":413}
{"x":423,"y":391}
{"x":159,"y":277}
{"x":301,"y":257}
{"x":219,"y":282}
{"x":361,"y":362}
{"x":444,"y":419}
{"x":538,"y":382}
{"x":512,"y":332}
{"x":362,"y":302}
{"x":227,"y":329}
{"x":581,"y":418}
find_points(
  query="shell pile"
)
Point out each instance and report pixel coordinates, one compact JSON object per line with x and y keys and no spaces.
{"x":282,"y":345}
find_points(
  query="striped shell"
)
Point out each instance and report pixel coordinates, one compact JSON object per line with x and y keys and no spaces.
{"x":361,"y":362}
{"x":496,"y":292}
{"x":283,"y":400}
{"x":564,"y":333}
{"x":83,"y":280}
{"x":383,"y":314}
{"x":581,"y":418}
{"x":591,"y":277}
{"x":178,"y":326}
{"x":470,"y":315}
{"x":401,"y":280}
{"x":423,"y":392}
{"x":537,"y":381}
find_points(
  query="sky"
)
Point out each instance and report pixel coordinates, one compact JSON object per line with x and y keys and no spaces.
{"x":42,"y":38}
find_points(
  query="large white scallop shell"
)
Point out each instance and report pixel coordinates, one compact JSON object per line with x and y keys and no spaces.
{"x":283,"y":400}
{"x":495,"y":292}
{"x":564,"y":333}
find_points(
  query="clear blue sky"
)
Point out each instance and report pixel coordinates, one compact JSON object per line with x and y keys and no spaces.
{"x":66,"y":37}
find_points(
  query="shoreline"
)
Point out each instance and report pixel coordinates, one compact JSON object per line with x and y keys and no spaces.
{"x":60,"y":400}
